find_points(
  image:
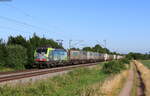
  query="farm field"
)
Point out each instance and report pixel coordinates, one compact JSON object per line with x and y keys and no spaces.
{"x":146,"y":63}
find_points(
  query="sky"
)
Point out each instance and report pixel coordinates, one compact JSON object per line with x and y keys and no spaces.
{"x":124,"y":24}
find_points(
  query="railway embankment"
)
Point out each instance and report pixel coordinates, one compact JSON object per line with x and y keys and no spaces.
{"x":102,"y":80}
{"x":25,"y":76}
{"x":73,"y":83}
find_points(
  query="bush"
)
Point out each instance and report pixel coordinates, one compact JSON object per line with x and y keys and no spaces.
{"x":17,"y":57}
{"x":125,"y":61}
{"x":114,"y":67}
{"x":3,"y":54}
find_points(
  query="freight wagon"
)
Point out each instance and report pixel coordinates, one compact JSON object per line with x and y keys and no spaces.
{"x":76,"y":56}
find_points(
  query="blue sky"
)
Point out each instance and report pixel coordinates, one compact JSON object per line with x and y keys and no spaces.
{"x":125,"y":24}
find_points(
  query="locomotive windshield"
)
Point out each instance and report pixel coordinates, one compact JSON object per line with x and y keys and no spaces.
{"x":41,"y":50}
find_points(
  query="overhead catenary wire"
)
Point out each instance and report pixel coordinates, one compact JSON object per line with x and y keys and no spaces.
{"x":9,"y":28}
{"x":33,"y":18}
{"x":24,"y":13}
{"x":29,"y":25}
{"x":100,"y":43}
{"x":16,"y":30}
{"x":19,"y":10}
{"x":19,"y":22}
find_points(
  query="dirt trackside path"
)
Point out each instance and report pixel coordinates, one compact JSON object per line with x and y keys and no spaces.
{"x":126,"y":91}
{"x":134,"y":81}
{"x":141,"y":86}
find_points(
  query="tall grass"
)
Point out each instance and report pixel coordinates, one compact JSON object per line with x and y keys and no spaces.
{"x":145,"y":76}
{"x":110,"y":87}
{"x":4,"y":69}
{"x":70,"y":84}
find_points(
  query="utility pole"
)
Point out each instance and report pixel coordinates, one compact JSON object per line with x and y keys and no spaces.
{"x":105,"y":45}
{"x":100,"y":44}
{"x":60,"y":42}
{"x":75,"y":43}
{"x":105,"y":42}
{"x":70,"y":41}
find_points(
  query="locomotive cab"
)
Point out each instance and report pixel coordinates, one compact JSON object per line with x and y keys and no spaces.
{"x":43,"y":54}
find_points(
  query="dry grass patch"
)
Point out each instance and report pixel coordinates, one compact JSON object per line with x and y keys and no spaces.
{"x":145,"y":73}
{"x":110,"y":87}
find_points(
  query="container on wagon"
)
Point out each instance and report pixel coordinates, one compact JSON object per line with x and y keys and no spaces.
{"x":77,"y":55}
{"x":114,"y":57}
{"x":106,"y":57}
{"x":83,"y":55}
{"x":90,"y":56}
{"x":111,"y":57}
{"x":101,"y":57}
{"x":74,"y":55}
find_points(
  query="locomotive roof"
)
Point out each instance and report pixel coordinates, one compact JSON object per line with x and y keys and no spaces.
{"x":51,"y":47}
{"x":45,"y":46}
{"x":60,"y":49}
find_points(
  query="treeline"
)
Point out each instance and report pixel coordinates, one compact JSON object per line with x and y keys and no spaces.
{"x":132,"y":55}
{"x":98,"y":48}
{"x":18,"y":52}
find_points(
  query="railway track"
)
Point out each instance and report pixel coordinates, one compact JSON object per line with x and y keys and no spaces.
{"x":9,"y":76}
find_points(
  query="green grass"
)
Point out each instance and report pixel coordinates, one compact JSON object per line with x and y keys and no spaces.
{"x":146,"y":63}
{"x":70,"y":84}
{"x":4,"y":69}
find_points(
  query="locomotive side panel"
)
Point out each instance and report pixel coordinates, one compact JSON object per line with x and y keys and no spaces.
{"x":59,"y":55}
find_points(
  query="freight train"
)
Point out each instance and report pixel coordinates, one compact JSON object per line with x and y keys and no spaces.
{"x":46,"y":57}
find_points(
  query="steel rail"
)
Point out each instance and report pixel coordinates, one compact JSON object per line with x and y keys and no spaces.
{"x":15,"y":76}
